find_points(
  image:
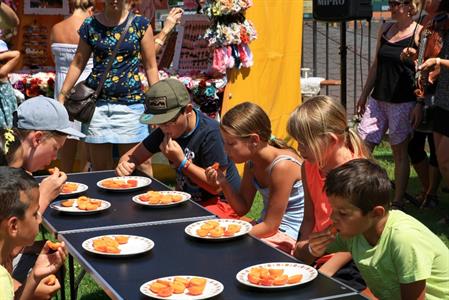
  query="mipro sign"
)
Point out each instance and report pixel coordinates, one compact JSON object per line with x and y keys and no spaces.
{"x":342,"y":10}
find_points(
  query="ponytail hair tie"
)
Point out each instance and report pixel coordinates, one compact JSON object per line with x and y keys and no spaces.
{"x":9,"y":139}
{"x":272,"y":138}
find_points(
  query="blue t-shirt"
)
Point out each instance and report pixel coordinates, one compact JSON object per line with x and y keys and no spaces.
{"x":203,"y":146}
{"x":123,"y":82}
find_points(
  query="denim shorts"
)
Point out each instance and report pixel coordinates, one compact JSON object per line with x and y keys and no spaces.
{"x":115,"y":123}
{"x":381,"y":116}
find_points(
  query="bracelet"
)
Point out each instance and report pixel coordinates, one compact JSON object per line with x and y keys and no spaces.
{"x":181,"y":165}
{"x":310,"y":250}
{"x":187,"y":165}
{"x":438,"y":61}
{"x":63,"y":94}
{"x":159,"y":42}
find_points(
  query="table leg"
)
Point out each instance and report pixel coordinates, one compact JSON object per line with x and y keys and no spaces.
{"x":62,"y":276}
{"x":72,"y":278}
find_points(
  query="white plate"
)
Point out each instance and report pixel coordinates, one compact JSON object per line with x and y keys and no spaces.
{"x":213,"y":288}
{"x":136,"y":245}
{"x":81,"y":188}
{"x":185,"y":197}
{"x":245,"y":228}
{"x":75,"y":210}
{"x":308,"y":274}
{"x":141,"y":182}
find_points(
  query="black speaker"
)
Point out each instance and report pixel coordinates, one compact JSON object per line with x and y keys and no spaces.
{"x":342,"y":10}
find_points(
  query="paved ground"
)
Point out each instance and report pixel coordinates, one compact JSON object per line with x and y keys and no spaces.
{"x":357,"y":62}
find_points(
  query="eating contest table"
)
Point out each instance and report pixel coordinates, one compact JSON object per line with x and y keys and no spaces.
{"x":174,"y":252}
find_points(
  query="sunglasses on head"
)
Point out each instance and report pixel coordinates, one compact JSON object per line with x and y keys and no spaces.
{"x":396,"y":3}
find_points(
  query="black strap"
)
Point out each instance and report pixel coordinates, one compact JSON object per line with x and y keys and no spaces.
{"x":114,"y":54}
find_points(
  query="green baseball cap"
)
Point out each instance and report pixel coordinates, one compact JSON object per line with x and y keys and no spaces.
{"x":164,"y":101}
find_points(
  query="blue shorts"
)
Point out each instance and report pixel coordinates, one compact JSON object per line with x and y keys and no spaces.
{"x":115,"y":123}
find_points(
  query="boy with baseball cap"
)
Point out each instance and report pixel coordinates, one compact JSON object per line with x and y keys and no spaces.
{"x":42,"y":125}
{"x":190,"y":140}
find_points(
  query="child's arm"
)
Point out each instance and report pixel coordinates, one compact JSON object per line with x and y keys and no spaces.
{"x":415,"y":290}
{"x":308,"y":222}
{"x":46,"y":264}
{"x":50,"y":188}
{"x":283,"y":177}
{"x":240,"y":201}
{"x":11,"y":59}
{"x":131,"y":159}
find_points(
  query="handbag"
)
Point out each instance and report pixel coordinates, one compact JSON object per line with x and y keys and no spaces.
{"x":80,"y":103}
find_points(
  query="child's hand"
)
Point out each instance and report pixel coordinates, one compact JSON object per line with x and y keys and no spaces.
{"x":51,"y":186}
{"x":45,"y":290}
{"x":48,"y":263}
{"x":125,"y":168}
{"x":214,"y":175}
{"x":172,"y":150}
{"x":318,"y":241}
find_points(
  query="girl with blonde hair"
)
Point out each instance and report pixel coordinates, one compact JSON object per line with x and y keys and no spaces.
{"x":325,"y":141}
{"x":271,"y":167}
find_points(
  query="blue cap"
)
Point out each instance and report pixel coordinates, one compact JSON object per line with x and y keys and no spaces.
{"x":43,"y":113}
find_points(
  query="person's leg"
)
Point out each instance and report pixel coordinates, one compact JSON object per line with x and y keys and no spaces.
{"x":373,"y":125}
{"x":400,"y":133}
{"x":144,"y":167}
{"x":401,"y":170}
{"x":441,"y":147}
{"x":100,"y":156}
{"x":67,"y":155}
{"x":418,"y":158}
{"x":83,"y":156}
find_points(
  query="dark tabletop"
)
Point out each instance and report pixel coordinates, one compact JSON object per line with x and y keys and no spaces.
{"x":123,"y":211}
{"x":175,"y":253}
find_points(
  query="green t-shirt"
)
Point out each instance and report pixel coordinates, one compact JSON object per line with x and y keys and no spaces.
{"x":6,"y":285}
{"x":407,"y":251}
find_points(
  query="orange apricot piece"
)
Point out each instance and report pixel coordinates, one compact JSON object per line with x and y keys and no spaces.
{"x":197,"y":281}
{"x":178,"y":287}
{"x":202,"y":232}
{"x":267,"y":281}
{"x":281,"y":280}
{"x":53,"y":245}
{"x":166,"y":291}
{"x":156,"y":286}
{"x":164,"y":282}
{"x":276,"y":272}
{"x":253,"y":278}
{"x":122,"y":239}
{"x":182,"y":280}
{"x":294,"y":279}
{"x":216,"y":232}
{"x":196,"y":290}
{"x":215,"y":166}
{"x":50,"y":279}
{"x":67,"y":203}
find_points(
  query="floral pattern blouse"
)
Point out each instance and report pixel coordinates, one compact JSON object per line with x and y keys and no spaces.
{"x":123,"y":82}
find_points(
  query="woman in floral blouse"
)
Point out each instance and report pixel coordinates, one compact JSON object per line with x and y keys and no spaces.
{"x":120,"y":104}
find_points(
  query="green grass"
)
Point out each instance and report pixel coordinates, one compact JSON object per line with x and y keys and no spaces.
{"x":89,"y":290}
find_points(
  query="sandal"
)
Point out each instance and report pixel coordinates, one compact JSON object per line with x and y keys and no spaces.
{"x":430,"y":201}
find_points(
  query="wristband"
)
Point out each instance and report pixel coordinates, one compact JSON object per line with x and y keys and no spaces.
{"x":438,"y":61}
{"x":181,"y":165}
{"x":159,"y":42}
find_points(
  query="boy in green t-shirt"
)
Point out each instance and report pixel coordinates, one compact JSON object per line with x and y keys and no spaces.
{"x":398,"y":257}
{"x":19,"y":225}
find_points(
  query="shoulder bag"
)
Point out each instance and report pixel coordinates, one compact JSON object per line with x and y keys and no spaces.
{"x":80,"y":103}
